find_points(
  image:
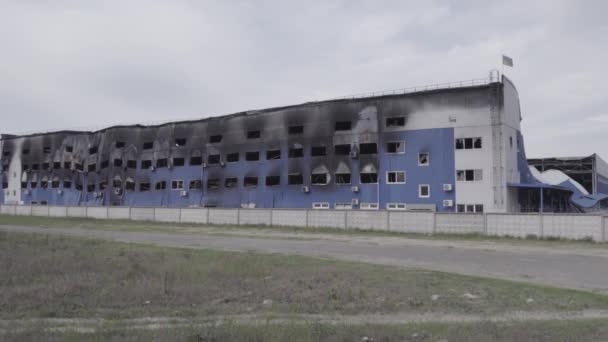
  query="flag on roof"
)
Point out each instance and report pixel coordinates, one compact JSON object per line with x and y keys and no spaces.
{"x":506,"y":60}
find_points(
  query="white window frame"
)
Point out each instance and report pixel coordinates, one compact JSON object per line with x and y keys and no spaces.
{"x":343,"y":206}
{"x":396,"y":206}
{"x":420,"y":190}
{"x":477,"y":175}
{"x":177,"y":180}
{"x":368,"y":206}
{"x":320,"y":205}
{"x":463,"y":139}
{"x":396,"y":172}
{"x":466,"y":208}
{"x":428,"y":158}
{"x":395,"y":142}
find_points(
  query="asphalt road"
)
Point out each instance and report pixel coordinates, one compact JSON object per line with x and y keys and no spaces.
{"x":582,"y":270}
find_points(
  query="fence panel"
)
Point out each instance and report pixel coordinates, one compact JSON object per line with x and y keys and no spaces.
{"x":224,"y":216}
{"x":7,"y":209}
{"x":327,"y":218}
{"x":97,"y":212}
{"x":55,"y":211}
{"x":23,"y":210}
{"x":167,"y":214}
{"x":459,"y":223}
{"x":410,"y":222}
{"x":514,"y":225}
{"x":367,"y":219}
{"x":255,"y":216}
{"x":286,"y":217}
{"x":142,"y":214}
{"x":119,"y":213}
{"x":194,"y":215}
{"x":40,"y":210}
{"x":575,"y":227}
{"x":77,"y":211}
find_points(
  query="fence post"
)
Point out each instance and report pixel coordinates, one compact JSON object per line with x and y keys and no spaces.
{"x":388,"y":220}
{"x":485,"y":224}
{"x":542,"y":225}
{"x":86,"y":211}
{"x":271,"y":217}
{"x":345,"y":220}
{"x":208,"y":210}
{"x":434,"y":222}
{"x":306,"y":210}
{"x":130,"y":215}
{"x":154,"y":214}
{"x":238,"y":216}
{"x":180,"y":214}
{"x":603,"y":228}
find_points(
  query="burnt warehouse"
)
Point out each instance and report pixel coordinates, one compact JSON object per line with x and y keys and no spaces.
{"x":425,"y":150}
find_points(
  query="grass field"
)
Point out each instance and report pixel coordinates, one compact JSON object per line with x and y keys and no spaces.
{"x":579,"y":331}
{"x":46,"y":276}
{"x":124,"y":225}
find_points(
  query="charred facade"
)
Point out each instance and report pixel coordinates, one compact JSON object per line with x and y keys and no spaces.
{"x":455,"y":149}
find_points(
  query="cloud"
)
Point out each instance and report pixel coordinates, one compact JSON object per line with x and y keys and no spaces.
{"x":74,"y":63}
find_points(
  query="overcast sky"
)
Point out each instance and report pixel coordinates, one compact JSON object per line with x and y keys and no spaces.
{"x":68,"y":64}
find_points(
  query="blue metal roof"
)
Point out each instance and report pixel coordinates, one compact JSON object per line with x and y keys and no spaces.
{"x":587,"y":201}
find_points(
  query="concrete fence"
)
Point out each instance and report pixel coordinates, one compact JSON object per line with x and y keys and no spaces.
{"x":565,"y":226}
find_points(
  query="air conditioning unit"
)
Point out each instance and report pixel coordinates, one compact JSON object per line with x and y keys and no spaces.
{"x":183,"y":193}
{"x":204,"y":165}
{"x":59,"y":192}
{"x":222,"y":163}
{"x":95,"y":195}
{"x":354,"y":188}
{"x":26,"y":192}
{"x":117,"y":191}
{"x":447,"y":187}
{"x":355,"y":201}
{"x":354,"y":154}
{"x":448,"y":203}
{"x":305,"y":189}
{"x":152,"y":168}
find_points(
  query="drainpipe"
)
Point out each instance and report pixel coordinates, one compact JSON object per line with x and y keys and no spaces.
{"x":542,"y":200}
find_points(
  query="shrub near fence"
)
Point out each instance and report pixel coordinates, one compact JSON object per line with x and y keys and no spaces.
{"x":562,"y":226}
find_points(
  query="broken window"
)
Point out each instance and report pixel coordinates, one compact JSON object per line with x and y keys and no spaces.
{"x":117,"y":183}
{"x":23,"y":185}
{"x":146,"y":164}
{"x":395,"y":177}
{"x":67,"y":183}
{"x":343,"y":126}
{"x":252,"y":156}
{"x":119,"y":144}
{"x":318,"y":151}
{"x":103,"y":185}
{"x":296,"y":152}
{"x":26,"y":151}
{"x":196,"y":160}
{"x":213,"y":184}
{"x":91,"y":188}
{"x":253,"y":134}
{"x":295,"y":179}
{"x":231,"y":182}
{"x":34,"y":184}
{"x":195,"y":184}
{"x":92,"y":167}
{"x":368,"y":148}
{"x":369,"y":178}
{"x":6,"y":153}
{"x":35,"y":167}
{"x":319,"y":179}
{"x":273,"y":154}
{"x":45,"y":166}
{"x":78,"y":186}
{"x":177,"y":184}
{"x":144,"y":186}
{"x":130,"y":184}
{"x":118,"y":162}
{"x":459,"y":144}
{"x":4,"y":185}
{"x":213,"y":159}
{"x":232,"y":157}
{"x":468,"y":143}
{"x":46,"y":149}
{"x":180,"y":142}
{"x":469,"y":175}
{"x":161,"y":162}
{"x":423,"y":159}
{"x":477,"y":144}
{"x":57,"y":165}
{"x":162,"y":185}
{"x":342,"y":150}
{"x":93,"y":150}
{"x":397,"y":121}
{"x":395,"y":147}
{"x":25,"y":167}
{"x":132,"y":164}
{"x":215,"y":139}
{"x":273,"y":180}
{"x":105,"y":164}
{"x":293,"y":130}
{"x":424,"y":190}
{"x":479,"y":208}
{"x":148,"y":145}
{"x":67,"y":165}
{"x":460,"y":208}
{"x":251,"y":181}
{"x":69,"y":148}
{"x":342,"y":178}
{"x":178,"y":161}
